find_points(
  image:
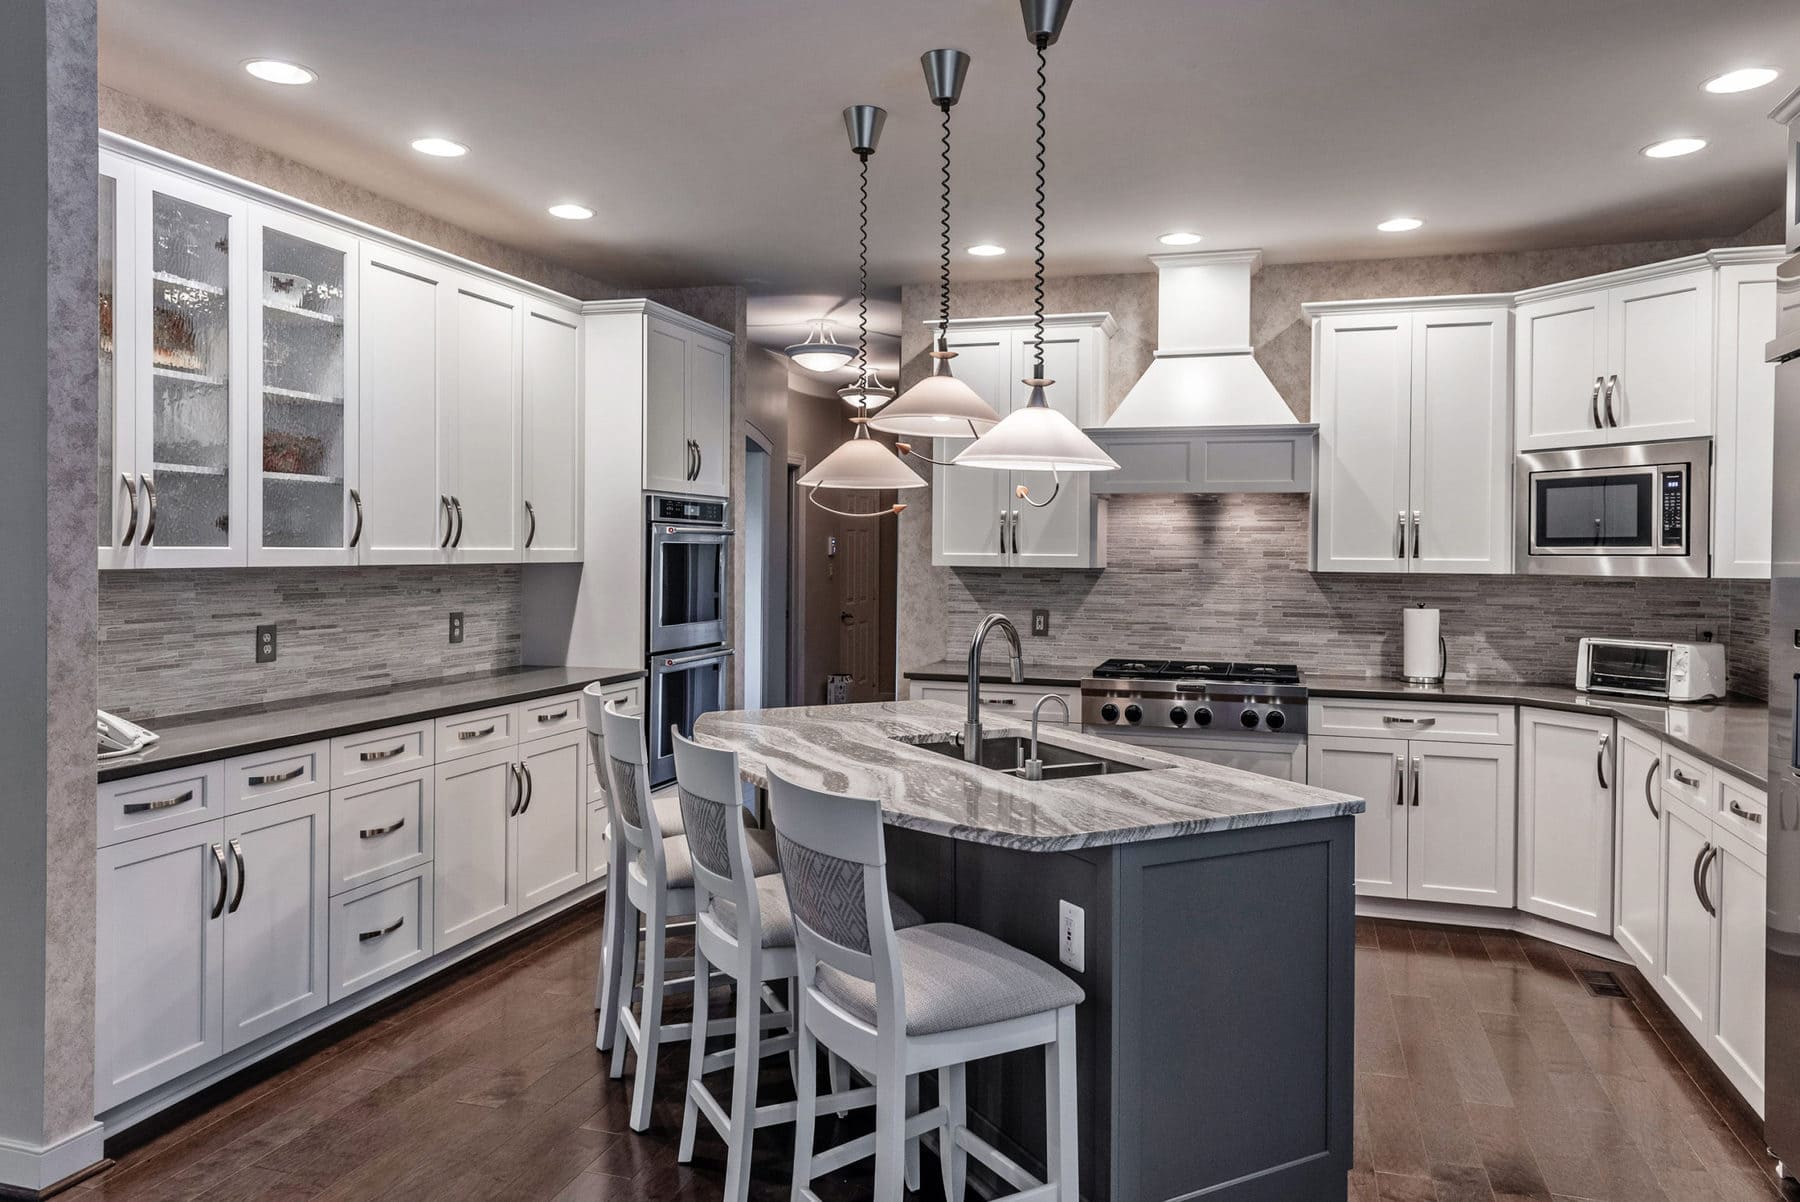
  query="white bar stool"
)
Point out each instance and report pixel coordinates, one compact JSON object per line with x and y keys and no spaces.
{"x":659,"y":885}
{"x":896,"y":1004}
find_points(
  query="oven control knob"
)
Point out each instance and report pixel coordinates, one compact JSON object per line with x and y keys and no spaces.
{"x":1178,"y":715}
{"x":1275,"y":720}
{"x":1249,"y":718}
{"x":1202,"y":716}
{"x":1110,"y":712}
{"x":1133,"y":714}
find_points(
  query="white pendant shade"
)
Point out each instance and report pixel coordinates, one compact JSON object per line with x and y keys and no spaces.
{"x":1036,"y":438}
{"x":861,"y":463}
{"x":939,"y":406}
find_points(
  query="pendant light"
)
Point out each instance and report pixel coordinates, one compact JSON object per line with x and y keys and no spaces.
{"x":868,"y":393}
{"x":1037,"y":437}
{"x":820,"y":352}
{"x":862,"y":463}
{"x":940,"y":405}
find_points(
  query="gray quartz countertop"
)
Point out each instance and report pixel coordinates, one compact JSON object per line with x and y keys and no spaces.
{"x":1066,"y":675}
{"x":1731,"y":734}
{"x":199,"y":738}
{"x":866,"y":750}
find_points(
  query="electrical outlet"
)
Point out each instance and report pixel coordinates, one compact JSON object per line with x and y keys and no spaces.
{"x":265,"y":644}
{"x":456,"y":626}
{"x":1040,"y":623}
{"x":1071,"y":942}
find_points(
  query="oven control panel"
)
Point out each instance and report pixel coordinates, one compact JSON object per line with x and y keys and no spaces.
{"x":686,"y":509}
{"x":1200,"y":713}
{"x":1674,"y":508}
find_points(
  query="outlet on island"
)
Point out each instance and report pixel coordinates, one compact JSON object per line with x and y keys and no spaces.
{"x":1071,"y":941}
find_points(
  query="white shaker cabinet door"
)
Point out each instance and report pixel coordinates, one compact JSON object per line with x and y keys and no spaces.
{"x":479,"y":427}
{"x":1374,"y":770}
{"x":472,"y":870}
{"x":709,"y":415}
{"x":1660,"y":362}
{"x":552,"y":824}
{"x":159,"y":926}
{"x":1460,"y":823}
{"x":1059,"y":535}
{"x":404,"y":348}
{"x":1561,"y":371}
{"x":1737,"y":886}
{"x":1462,"y":462}
{"x":551,"y":476}
{"x":1686,"y":977}
{"x":1638,"y":920}
{"x":1744,"y":453}
{"x":1566,"y":787}
{"x":1363,"y":394}
{"x":276,"y":921}
{"x":971,"y":507}
{"x":668,"y":453}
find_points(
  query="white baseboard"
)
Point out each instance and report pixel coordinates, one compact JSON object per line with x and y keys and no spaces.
{"x":1492,"y":918}
{"x":32,"y":1169}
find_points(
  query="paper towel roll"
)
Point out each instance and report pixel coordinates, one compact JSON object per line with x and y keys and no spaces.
{"x":1422,"y":648}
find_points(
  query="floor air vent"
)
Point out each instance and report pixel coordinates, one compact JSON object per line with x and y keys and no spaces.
{"x":1601,"y":984}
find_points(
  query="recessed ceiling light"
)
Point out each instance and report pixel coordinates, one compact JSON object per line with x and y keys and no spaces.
{"x":1741,"y":80}
{"x":1672,"y":148}
{"x":1399,"y":225}
{"x":443,"y":148}
{"x":274,"y":70}
{"x":571,"y":212}
{"x":1179,"y":238}
{"x":987,"y":250}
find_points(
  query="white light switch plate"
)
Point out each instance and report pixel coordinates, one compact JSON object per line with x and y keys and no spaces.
{"x":1071,"y":941}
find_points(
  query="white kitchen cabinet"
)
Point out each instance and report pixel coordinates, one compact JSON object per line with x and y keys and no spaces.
{"x":1375,"y":770}
{"x":478,"y":421}
{"x":1567,"y":783}
{"x":1685,"y":980}
{"x":687,"y":406}
{"x":1638,"y":877}
{"x":275,"y":925}
{"x":1617,"y":359}
{"x":1005,"y":700}
{"x":978,"y":520}
{"x":1737,"y":885}
{"x":118,"y":488}
{"x":474,"y":886}
{"x":380,"y":827}
{"x":1743,"y":456}
{"x":406,"y":330}
{"x":1415,"y":463}
{"x":709,"y":415}
{"x":551,"y":468}
{"x":550,"y":842}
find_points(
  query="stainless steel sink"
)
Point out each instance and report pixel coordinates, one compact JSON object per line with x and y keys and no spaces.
{"x":1008,"y":753}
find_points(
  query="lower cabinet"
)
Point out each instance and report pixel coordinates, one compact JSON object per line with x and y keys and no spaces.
{"x":1566,"y":787}
{"x":276,"y":922}
{"x":1688,"y":949}
{"x":551,"y":836}
{"x":379,"y":929}
{"x":473,"y":885}
{"x":1638,"y":894}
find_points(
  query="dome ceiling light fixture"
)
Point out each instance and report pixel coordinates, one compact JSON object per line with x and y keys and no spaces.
{"x":940,"y":405}
{"x":861,"y":464}
{"x":820,"y":352}
{"x":1037,"y":437}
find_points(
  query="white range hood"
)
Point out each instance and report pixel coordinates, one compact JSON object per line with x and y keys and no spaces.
{"x":1204,"y":418}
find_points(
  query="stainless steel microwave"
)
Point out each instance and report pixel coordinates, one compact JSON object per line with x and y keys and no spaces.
{"x":1636,"y":509}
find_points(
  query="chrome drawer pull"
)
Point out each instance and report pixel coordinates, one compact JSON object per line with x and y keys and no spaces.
{"x":365,"y":936}
{"x":292,"y":774}
{"x":389,"y":754}
{"x":1397,"y":720}
{"x":377,"y":832}
{"x":558,"y":716}
{"x":1684,"y":778}
{"x":139,"y":807}
{"x":483,"y":733}
{"x":1746,"y":815}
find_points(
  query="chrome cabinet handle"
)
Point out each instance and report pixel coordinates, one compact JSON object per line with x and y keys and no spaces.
{"x":1399,"y":780}
{"x":375,"y":832}
{"x":530,"y":787}
{"x":139,"y":807}
{"x":224,"y":880}
{"x":483,"y":733}
{"x":291,"y":774}
{"x":1015,"y":531}
{"x":449,"y":521}
{"x":512,"y":809}
{"x":1702,"y":862}
{"x":131,"y":526}
{"x":558,"y":716}
{"x":356,"y":500}
{"x":1650,"y":789}
{"x":456,"y":504}
{"x":1400,"y":535}
{"x":1600,"y":761}
{"x":365,"y":936}
{"x":1003,"y":532}
{"x":1417,"y":522}
{"x":1746,"y":815}
{"x":1683,"y":778}
{"x":1612,"y":386}
{"x":150,"y":501}
{"x":1402,"y":720}
{"x":1594,"y":404}
{"x":532,"y":532}
{"x":369,"y":757}
{"x":1417,"y":762}
{"x":237,"y":898}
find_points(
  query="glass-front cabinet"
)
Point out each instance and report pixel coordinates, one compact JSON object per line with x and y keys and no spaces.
{"x":117,"y":483}
{"x":304,"y":505}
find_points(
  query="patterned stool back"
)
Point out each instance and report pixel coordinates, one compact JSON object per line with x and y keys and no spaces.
{"x":706,"y":779}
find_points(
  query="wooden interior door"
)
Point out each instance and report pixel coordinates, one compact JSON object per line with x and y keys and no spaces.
{"x":859,"y":594}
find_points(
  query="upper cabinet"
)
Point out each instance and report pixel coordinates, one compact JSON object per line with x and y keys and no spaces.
{"x":1624,"y":358}
{"x":1743,"y":447}
{"x":552,"y":442}
{"x":978,"y":518}
{"x":478,"y":421}
{"x":687,"y":406}
{"x":1415,"y":459}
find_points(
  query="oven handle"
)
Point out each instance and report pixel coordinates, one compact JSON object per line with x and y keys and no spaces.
{"x":670,"y":662}
{"x":665,"y":530}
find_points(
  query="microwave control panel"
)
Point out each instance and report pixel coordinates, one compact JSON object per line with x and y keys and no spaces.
{"x":1674,"y":508}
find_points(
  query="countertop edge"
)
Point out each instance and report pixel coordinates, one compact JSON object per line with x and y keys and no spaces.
{"x":1067,"y":677}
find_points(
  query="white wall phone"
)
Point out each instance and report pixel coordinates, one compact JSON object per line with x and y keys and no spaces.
{"x":119,"y":737}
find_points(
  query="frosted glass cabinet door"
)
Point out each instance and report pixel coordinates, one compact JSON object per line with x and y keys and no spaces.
{"x":117,"y":487}
{"x":304,"y":503}
{"x":190,"y":372}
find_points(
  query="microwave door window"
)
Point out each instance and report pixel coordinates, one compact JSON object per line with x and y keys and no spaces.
{"x":1627,"y":511}
{"x":1601,"y":512}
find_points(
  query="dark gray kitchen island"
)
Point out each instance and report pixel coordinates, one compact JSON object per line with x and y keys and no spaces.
{"x":1214,"y":1048}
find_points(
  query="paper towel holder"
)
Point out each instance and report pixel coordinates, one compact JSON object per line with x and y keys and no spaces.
{"x":1443,"y":664}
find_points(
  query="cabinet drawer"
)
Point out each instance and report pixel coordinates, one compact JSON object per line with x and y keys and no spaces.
{"x":473,"y":733}
{"x":378,"y":930}
{"x":1003,"y":700}
{"x":1689,"y":779}
{"x":380,"y":827}
{"x":267,"y":776}
{"x":380,"y":753}
{"x":629,"y":696}
{"x":552,"y":716}
{"x":163,"y":801}
{"x":1424,"y":720}
{"x":1744,"y":809}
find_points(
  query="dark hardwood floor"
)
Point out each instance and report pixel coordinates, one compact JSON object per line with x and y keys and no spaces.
{"x":1485,"y":1072}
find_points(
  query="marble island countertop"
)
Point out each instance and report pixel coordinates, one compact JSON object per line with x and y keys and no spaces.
{"x":867,"y":750}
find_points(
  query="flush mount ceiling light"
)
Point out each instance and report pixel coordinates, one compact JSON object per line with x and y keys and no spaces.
{"x":940,"y":405}
{"x":1179,"y":238}
{"x":571,"y":212}
{"x":862,"y":464}
{"x":868,"y":393}
{"x":987,"y":250}
{"x":820,"y":352}
{"x":442,"y":148}
{"x":1037,"y":437}
{"x":1673,"y":148}
{"x":1399,"y":225}
{"x":274,"y":70}
{"x":1744,"y":79}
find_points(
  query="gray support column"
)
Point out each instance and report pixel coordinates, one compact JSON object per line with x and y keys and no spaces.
{"x":48,"y":361}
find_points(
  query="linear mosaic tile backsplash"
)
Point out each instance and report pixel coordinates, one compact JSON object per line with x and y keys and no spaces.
{"x":1226,"y":575}
{"x":178,"y":642}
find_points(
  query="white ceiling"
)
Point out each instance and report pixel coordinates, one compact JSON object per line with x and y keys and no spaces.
{"x":707,"y":135}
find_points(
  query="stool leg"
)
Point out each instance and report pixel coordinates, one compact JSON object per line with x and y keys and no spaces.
{"x":612,"y":951}
{"x":912,"y":1145}
{"x":650,"y":1022}
{"x":890,"y":1134}
{"x":806,"y":1105}
{"x":627,"y":984}
{"x":746,"y":1066}
{"x":840,"y":1077}
{"x":1059,"y":1111}
{"x":953,"y":1091}
{"x":690,"y":1109}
